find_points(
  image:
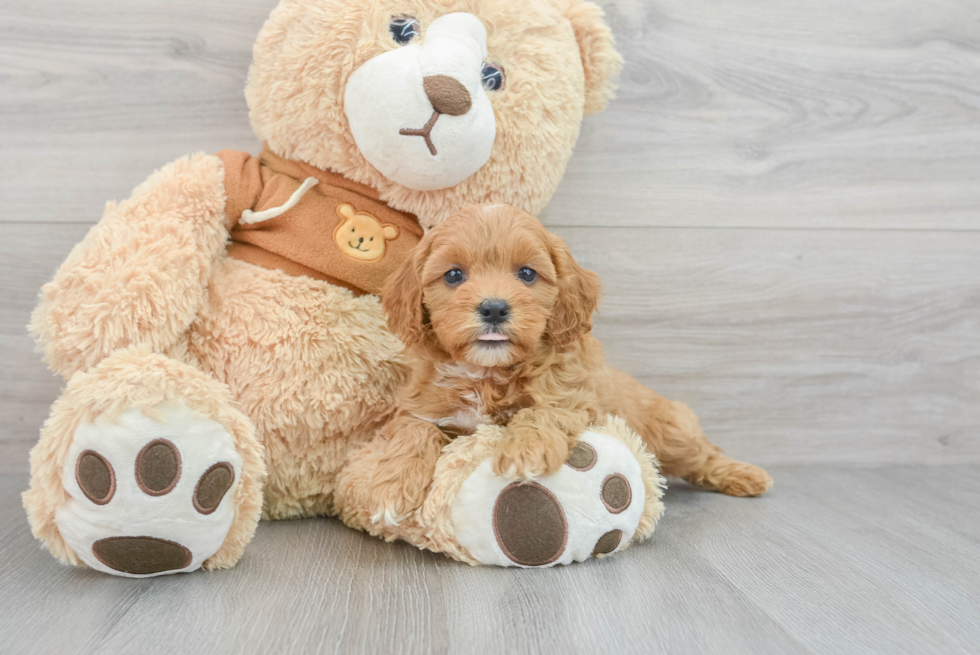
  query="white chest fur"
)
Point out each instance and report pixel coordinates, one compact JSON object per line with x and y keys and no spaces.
{"x":471,"y":410}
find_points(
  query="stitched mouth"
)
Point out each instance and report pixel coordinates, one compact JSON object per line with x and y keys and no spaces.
{"x":357,"y":247}
{"x":424,"y":132}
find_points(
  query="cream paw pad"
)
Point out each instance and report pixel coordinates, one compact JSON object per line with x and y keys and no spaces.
{"x":149,"y":495}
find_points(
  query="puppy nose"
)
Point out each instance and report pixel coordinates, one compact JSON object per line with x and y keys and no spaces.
{"x":447,"y":95}
{"x":494,"y":311}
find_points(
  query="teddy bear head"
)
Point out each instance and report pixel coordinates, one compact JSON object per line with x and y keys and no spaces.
{"x":436,"y":104}
{"x":361,"y":235}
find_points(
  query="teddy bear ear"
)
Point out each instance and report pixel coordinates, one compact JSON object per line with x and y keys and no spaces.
{"x":346,"y":211}
{"x":390,"y":232}
{"x":599,"y":57}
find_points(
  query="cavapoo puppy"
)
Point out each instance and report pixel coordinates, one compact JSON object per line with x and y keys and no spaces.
{"x":499,"y":316}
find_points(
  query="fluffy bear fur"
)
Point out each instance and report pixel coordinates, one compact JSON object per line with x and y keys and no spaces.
{"x":148,"y":308}
{"x":431,"y":525}
{"x":136,"y":377}
{"x":560,"y":64}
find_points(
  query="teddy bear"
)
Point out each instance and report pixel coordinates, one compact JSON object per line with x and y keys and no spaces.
{"x":220,"y":332}
{"x":361,"y":235}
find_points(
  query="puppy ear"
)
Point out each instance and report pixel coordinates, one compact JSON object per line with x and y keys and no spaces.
{"x":599,"y":57}
{"x":578,"y":296}
{"x":401,"y":299}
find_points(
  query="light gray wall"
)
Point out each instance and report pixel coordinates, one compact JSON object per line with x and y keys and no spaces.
{"x":784,"y":201}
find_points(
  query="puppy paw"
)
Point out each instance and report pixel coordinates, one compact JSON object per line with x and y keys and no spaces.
{"x":742,"y":479}
{"x":524,"y":453}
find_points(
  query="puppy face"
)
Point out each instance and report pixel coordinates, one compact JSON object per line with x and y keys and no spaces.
{"x":490,"y":287}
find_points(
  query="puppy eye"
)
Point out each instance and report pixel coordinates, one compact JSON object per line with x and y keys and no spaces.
{"x":404,"y":28}
{"x":493,"y":76}
{"x":454,"y":277}
{"x":528,"y":275}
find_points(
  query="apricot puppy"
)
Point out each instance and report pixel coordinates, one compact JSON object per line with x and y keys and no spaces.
{"x":499,"y":316}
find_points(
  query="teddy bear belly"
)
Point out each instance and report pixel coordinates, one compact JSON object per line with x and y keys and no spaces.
{"x":313,"y":366}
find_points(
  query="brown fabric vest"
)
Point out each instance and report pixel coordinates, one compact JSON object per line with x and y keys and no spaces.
{"x":334,"y":229}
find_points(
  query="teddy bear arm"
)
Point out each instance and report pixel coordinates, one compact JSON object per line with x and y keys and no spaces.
{"x":243,"y":183}
{"x":140,"y":275}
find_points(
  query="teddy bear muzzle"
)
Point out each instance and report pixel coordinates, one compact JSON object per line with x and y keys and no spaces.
{"x":433,"y":90}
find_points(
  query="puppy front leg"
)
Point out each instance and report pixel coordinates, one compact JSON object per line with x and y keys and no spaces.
{"x":404,"y":466}
{"x":537,"y":441}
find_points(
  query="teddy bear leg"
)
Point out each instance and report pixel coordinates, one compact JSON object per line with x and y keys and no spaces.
{"x":144,"y":468}
{"x":605,"y":497}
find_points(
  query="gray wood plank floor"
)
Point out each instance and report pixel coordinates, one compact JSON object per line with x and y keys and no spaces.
{"x":784,"y":205}
{"x":835,"y":560}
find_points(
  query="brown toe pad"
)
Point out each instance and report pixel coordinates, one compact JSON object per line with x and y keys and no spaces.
{"x":95,"y":477}
{"x":141,"y":555}
{"x":583,"y":457}
{"x":212,"y":487}
{"x":608,"y":542}
{"x":616,"y":493}
{"x":530,"y":524}
{"x":158,"y":467}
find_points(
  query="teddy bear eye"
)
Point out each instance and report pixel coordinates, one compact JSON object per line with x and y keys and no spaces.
{"x":454,"y":277}
{"x":404,"y":28}
{"x":493,"y":76}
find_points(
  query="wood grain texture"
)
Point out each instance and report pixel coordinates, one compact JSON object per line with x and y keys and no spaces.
{"x":94,"y":96}
{"x":793,"y":346}
{"x":834,"y":560}
{"x":29,"y":256}
{"x":801,"y":346}
{"x":768,"y":113}
{"x":785,"y":114}
{"x":784,"y":204}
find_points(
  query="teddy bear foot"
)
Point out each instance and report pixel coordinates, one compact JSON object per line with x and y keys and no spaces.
{"x":593,"y":506}
{"x":149,"y":495}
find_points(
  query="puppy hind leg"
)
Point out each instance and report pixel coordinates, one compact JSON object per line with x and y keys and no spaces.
{"x":685,"y":452}
{"x":671,"y":431}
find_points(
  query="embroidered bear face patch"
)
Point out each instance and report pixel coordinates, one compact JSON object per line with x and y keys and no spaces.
{"x":361,"y":235}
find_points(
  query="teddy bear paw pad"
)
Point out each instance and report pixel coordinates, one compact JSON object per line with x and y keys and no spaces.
{"x":149,"y":495}
{"x":590,"y":507}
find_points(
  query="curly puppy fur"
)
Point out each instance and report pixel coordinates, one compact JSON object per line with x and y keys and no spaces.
{"x":538,"y":370}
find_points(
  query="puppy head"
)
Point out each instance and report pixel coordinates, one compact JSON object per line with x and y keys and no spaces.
{"x":490,"y":287}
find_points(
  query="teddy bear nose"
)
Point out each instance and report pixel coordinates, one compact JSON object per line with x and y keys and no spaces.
{"x":447,"y":95}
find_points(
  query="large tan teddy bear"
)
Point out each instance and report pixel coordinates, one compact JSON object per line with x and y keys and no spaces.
{"x":220,"y":332}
